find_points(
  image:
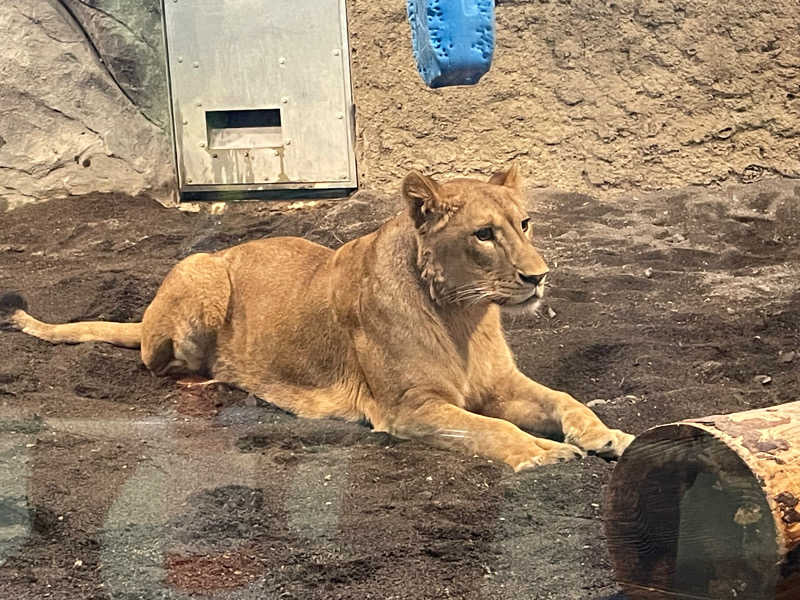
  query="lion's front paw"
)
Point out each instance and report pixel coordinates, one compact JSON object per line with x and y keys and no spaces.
{"x":548,"y":453}
{"x":609,"y":443}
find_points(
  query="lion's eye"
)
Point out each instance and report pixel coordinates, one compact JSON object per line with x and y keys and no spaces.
{"x":525,"y":224}
{"x":485,"y":234}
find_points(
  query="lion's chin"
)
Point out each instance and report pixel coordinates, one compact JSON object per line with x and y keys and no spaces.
{"x":528,"y":306}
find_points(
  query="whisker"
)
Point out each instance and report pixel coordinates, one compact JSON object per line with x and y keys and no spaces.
{"x":465,"y":292}
{"x":464,"y":295}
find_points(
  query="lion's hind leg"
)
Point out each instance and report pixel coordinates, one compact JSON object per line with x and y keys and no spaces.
{"x":180,"y":326}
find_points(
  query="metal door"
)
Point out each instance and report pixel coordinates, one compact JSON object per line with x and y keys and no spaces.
{"x":260,"y":93}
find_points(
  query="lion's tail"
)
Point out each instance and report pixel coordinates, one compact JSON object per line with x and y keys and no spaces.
{"x":13,"y":310}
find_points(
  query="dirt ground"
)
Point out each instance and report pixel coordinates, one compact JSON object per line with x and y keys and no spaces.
{"x":117,"y":484}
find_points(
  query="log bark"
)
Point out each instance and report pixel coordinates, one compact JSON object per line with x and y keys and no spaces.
{"x":709,"y":508}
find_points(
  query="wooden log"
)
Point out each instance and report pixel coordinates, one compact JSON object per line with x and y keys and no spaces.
{"x":709,"y":508}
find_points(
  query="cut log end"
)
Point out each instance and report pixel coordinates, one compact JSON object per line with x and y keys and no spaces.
{"x":687,"y":517}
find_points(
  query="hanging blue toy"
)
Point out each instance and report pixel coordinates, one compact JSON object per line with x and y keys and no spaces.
{"x":453,"y":40}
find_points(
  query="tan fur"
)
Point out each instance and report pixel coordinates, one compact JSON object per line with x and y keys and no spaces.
{"x":400,"y":327}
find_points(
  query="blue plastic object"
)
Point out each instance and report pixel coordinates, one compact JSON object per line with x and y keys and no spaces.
{"x":453,"y":40}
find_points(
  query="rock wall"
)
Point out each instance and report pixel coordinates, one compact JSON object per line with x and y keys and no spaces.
{"x":597,"y":96}
{"x":81,"y":105}
{"x":129,"y":37}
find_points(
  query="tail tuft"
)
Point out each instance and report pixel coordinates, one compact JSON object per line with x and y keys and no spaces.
{"x":10,"y":303}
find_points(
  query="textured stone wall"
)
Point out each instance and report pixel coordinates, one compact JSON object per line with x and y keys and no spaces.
{"x":128,"y":35}
{"x":597,"y":96}
{"x":77,"y":108}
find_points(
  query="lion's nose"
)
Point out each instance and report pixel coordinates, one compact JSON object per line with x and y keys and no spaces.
{"x":534,"y":279}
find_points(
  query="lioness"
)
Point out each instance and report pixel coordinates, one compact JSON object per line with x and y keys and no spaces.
{"x":400,"y":327}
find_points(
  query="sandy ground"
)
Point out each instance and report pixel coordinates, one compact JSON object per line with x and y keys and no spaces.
{"x":117,"y":484}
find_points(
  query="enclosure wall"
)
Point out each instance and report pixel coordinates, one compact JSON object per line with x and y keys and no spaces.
{"x":597,"y":97}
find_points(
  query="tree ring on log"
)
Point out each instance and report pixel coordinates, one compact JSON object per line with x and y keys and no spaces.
{"x":686,"y":517}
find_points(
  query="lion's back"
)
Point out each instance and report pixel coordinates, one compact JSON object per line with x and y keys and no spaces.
{"x":280,"y":283}
{"x":280,"y":311}
{"x":292,"y":256}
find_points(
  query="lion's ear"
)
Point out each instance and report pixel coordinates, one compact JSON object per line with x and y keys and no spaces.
{"x":424,"y":198}
{"x":510,"y":178}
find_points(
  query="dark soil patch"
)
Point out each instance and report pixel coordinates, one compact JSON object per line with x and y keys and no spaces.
{"x":118,"y":484}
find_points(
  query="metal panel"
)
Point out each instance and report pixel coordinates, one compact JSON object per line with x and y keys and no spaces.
{"x":286,"y":59}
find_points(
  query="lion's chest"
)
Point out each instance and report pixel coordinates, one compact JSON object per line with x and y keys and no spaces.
{"x":484,"y":357}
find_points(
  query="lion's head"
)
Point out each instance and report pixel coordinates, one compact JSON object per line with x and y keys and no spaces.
{"x":475,"y":240}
